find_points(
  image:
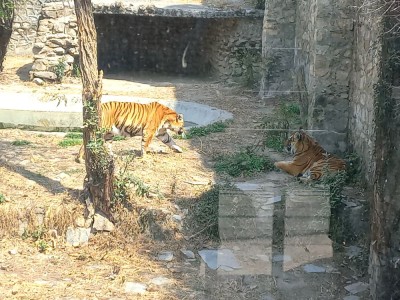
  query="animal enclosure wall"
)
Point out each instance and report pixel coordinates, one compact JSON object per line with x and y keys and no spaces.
{"x":155,"y":44}
{"x":226,"y":46}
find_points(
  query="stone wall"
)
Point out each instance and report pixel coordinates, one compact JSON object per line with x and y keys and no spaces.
{"x":278,"y":48}
{"x":143,"y":39}
{"x":234,"y":49}
{"x":311,"y":41}
{"x":365,"y":74}
{"x":25,"y":25}
{"x":55,"y":48}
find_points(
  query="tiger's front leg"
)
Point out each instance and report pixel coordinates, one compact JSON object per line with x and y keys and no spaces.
{"x":289,"y":167}
{"x":167,"y":140}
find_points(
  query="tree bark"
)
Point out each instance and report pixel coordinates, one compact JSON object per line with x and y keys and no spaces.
{"x":6,"y":20}
{"x":99,"y":164}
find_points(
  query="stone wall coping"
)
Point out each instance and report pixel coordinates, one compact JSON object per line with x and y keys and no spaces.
{"x":178,"y":10}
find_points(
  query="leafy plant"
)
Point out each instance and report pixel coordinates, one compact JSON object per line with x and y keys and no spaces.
{"x":204,"y":130}
{"x":76,"y":71}
{"x":242,"y":163}
{"x":278,"y":124}
{"x":74,"y":135}
{"x":71,"y":139}
{"x":69,"y":142}
{"x":42,"y":245}
{"x":20,"y":143}
{"x":2,"y":199}
{"x":60,"y":68}
{"x":335,"y":181}
{"x":119,"y":138}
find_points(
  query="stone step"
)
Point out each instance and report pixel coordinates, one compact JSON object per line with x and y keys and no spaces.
{"x":239,"y":228}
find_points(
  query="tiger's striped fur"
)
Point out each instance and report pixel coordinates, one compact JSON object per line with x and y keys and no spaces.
{"x":310,"y":160}
{"x":133,"y":119}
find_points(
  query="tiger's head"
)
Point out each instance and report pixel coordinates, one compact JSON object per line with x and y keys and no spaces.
{"x":175,"y":123}
{"x":298,"y":142}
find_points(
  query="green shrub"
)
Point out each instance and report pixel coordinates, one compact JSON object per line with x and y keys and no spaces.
{"x":204,"y":130}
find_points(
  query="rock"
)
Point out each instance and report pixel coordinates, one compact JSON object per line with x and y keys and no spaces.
{"x":219,"y":258}
{"x":352,"y":297}
{"x":353,"y":251}
{"x":165,"y":256}
{"x":356,"y":287}
{"x":39,"y":65}
{"x":188,"y":254}
{"x":177,"y":218}
{"x":135,"y":287}
{"x":160,"y":280}
{"x":310,"y":268}
{"x":101,"y":223}
{"x":45,"y":75}
{"x":59,"y":51}
{"x":38,"y":81}
{"x":13,"y":251}
{"x":77,"y":236}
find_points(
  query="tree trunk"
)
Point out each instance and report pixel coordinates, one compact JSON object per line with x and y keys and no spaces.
{"x":6,"y":20}
{"x":99,"y":164}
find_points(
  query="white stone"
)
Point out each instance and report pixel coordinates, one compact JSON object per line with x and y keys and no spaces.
{"x":160,"y":280}
{"x":165,"y":256}
{"x":135,"y":287}
{"x":356,"y":287}
{"x":38,"y":81}
{"x":101,"y":223}
{"x":13,"y":251}
{"x":188,"y":254}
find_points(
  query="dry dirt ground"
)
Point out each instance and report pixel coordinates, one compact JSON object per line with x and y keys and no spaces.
{"x":44,"y":176}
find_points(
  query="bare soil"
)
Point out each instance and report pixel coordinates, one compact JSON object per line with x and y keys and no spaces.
{"x":43,"y":175}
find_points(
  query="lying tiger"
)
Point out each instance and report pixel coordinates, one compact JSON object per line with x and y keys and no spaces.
{"x":310,"y":159}
{"x":133,"y":119}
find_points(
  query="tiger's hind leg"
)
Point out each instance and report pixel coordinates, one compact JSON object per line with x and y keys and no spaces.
{"x":167,"y":140}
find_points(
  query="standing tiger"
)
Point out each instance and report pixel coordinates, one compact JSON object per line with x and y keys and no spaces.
{"x":310,"y":160}
{"x":133,"y":119}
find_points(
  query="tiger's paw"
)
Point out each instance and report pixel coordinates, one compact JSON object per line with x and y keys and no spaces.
{"x":176,"y":148}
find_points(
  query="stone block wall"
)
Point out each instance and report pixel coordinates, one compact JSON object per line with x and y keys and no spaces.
{"x":25,"y":25}
{"x":312,"y":41}
{"x":365,"y":74}
{"x":234,"y":49}
{"x":326,"y":59}
{"x":278,"y":40}
{"x":137,"y":39}
{"x":56,"y":42}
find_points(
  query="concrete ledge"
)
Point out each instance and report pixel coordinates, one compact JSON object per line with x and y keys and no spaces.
{"x":26,"y":110}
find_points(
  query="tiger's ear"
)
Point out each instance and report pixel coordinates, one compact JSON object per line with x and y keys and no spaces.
{"x":179,"y":117}
{"x":299,"y":135}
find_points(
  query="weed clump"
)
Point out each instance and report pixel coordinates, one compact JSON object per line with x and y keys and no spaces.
{"x":19,"y":143}
{"x":243,"y":163}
